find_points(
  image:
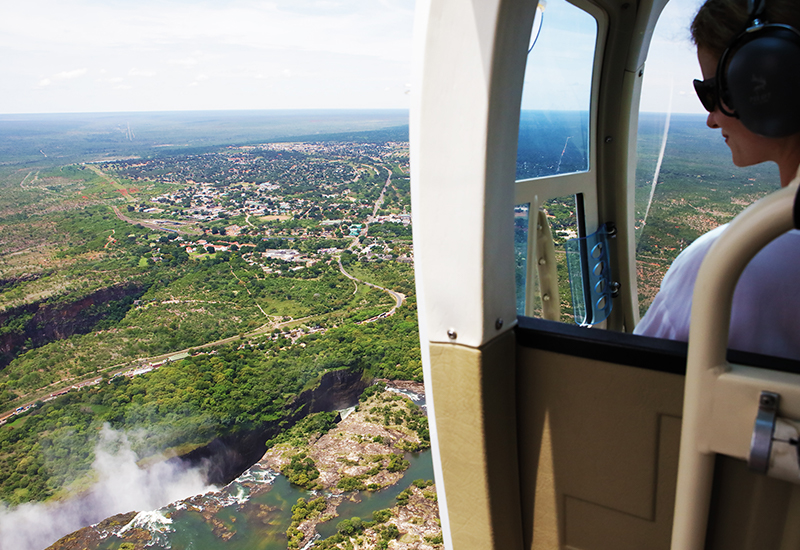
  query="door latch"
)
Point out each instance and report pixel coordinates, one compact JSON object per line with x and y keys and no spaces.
{"x":761,"y":442}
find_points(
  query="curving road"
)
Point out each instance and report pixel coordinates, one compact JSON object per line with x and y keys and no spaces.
{"x":58,"y":388}
{"x":399,"y":297}
{"x":63,"y":386}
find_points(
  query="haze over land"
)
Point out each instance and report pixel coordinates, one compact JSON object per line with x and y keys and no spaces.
{"x":193,"y":289}
{"x":292,"y":259}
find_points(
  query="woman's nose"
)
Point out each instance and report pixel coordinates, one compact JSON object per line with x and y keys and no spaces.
{"x":711,"y":121}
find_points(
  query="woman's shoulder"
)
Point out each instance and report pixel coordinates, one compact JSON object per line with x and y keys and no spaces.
{"x":668,"y":315}
{"x":688,"y":261}
{"x":764,"y":281}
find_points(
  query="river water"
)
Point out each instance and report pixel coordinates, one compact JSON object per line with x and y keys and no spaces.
{"x":254,"y":511}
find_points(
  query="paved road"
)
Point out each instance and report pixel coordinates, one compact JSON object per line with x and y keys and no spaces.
{"x":371,"y":218}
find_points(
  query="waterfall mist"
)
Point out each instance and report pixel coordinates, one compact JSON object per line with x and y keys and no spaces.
{"x":121,"y":486}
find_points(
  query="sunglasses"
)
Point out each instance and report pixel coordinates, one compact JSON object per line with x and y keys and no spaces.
{"x":707,"y":92}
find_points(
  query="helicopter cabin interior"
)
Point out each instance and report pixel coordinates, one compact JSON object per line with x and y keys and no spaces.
{"x":549,"y":435}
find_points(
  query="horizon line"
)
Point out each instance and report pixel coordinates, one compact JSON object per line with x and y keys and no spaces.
{"x":189,"y":111}
{"x":293,"y":110}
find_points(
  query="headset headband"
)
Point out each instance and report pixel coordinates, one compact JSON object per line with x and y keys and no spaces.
{"x":756,"y":9}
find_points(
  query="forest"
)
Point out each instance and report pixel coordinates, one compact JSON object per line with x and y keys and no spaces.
{"x":233,"y":388}
{"x":92,"y":288}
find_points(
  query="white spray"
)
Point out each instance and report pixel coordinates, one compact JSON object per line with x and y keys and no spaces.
{"x":660,"y":157}
{"x":121,"y":487}
{"x":564,"y":150}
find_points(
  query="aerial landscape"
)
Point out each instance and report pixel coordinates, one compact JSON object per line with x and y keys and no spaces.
{"x":208,"y":313}
{"x":187,"y":307}
{"x":205,"y":318}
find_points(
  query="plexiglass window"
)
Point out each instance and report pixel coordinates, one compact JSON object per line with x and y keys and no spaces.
{"x":554,"y":118}
{"x":554,"y":140}
{"x":686,"y":183}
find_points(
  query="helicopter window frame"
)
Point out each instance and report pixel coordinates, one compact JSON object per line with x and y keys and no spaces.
{"x":535,"y":191}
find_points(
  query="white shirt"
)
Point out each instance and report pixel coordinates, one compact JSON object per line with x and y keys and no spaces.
{"x":766,"y":303}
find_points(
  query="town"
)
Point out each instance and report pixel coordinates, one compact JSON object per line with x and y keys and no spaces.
{"x":297,"y":210}
{"x":282,"y":206}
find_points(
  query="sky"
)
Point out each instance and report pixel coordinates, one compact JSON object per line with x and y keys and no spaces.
{"x":155,"y":55}
{"x":163,"y":55}
{"x":558,"y":75}
{"x":671,"y":63}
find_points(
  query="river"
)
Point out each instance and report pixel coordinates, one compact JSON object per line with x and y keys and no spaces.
{"x":254,"y":511}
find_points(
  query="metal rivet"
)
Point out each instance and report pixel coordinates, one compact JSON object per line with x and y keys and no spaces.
{"x":498,"y":324}
{"x":542,"y":261}
{"x":545,"y":297}
{"x":452,"y":334}
{"x":767,"y":400}
{"x":609,"y":139}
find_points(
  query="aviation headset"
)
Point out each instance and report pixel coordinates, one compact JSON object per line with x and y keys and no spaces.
{"x":758,"y":76}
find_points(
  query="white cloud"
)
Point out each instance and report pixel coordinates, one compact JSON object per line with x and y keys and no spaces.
{"x":186,"y":62}
{"x":347,"y":26}
{"x":67,"y":75}
{"x":63,"y":75}
{"x":139,"y":72}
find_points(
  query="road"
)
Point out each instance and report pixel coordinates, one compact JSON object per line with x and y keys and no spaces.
{"x":111,"y":181}
{"x":58,"y":388}
{"x":63,"y":386}
{"x":399,"y":298}
{"x":152,"y":225}
{"x":378,"y":204}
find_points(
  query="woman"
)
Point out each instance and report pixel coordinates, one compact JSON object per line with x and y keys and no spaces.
{"x":766,"y":304}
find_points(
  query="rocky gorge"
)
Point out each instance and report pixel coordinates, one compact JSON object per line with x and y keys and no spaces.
{"x":228,"y":456}
{"x":364,"y":465}
{"x":37,"y":323}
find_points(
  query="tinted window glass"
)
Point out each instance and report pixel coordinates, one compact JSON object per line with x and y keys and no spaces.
{"x":560,"y":214}
{"x":554,"y":122}
{"x":686,"y":183}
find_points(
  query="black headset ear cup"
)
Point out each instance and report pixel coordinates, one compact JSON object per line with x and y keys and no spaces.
{"x":762,"y":80}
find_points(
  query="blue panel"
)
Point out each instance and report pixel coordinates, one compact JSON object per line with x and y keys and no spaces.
{"x":590,"y":277}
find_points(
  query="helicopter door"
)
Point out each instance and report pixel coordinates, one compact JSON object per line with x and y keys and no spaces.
{"x":598,"y":412}
{"x":599,"y":424}
{"x":536,"y":444}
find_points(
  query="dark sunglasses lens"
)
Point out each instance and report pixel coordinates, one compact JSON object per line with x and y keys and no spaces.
{"x":707,"y":92}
